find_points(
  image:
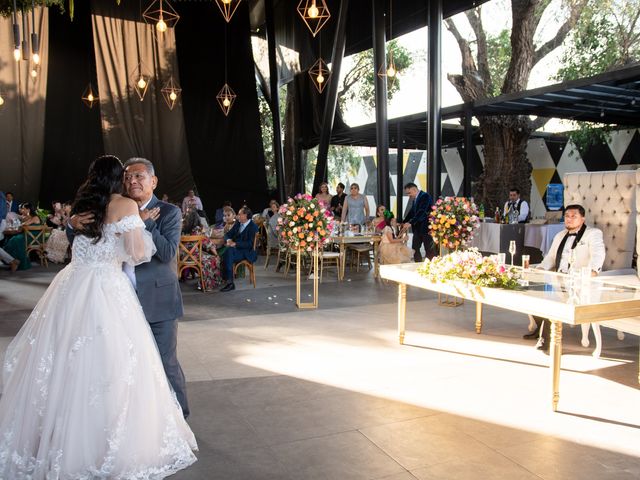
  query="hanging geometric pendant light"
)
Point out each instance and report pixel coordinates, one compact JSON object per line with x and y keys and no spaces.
{"x":89,"y":97}
{"x":315,"y":14}
{"x":389,"y":70}
{"x":228,"y":8}
{"x":171,"y":92}
{"x":320,"y":74}
{"x":162,"y":14}
{"x":140,"y":81}
{"x":226,"y":97}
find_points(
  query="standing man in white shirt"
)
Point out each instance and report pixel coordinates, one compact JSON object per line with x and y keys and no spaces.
{"x":521,"y":206}
{"x":191,"y":202}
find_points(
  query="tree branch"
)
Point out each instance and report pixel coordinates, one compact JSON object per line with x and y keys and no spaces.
{"x":470,"y":84}
{"x":539,"y":122}
{"x":561,"y":34}
{"x":475,"y":20}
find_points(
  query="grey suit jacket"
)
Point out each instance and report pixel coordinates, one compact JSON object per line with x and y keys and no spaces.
{"x":157,"y":281}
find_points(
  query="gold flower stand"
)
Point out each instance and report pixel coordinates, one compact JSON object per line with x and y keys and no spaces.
{"x":316,"y":275}
{"x":448,"y":300}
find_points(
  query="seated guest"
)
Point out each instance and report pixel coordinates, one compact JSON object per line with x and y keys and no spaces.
{"x":393,"y":245}
{"x":57,"y":245}
{"x":577,"y":241}
{"x":55,"y":219}
{"x":337,"y":201}
{"x":12,"y":204}
{"x":239,"y":243}
{"x":16,"y":245}
{"x":378,"y":223}
{"x":323,"y":194}
{"x":165,"y":198}
{"x":270,"y":210}
{"x":516,"y":203}
{"x":273,"y":223}
{"x":211,"y":276}
{"x":220,"y":211}
{"x":9,"y":260}
{"x":228,"y":221}
{"x":191,"y":202}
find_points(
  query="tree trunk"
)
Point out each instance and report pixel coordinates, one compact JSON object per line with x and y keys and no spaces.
{"x":506,"y":164}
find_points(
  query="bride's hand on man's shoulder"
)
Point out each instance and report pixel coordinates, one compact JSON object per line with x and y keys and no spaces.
{"x":80,"y":220}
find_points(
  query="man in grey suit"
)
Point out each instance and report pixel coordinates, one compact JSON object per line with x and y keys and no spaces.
{"x":156,"y":282}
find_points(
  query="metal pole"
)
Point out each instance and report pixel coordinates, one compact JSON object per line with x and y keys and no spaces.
{"x":434,"y":120}
{"x":275,"y":100}
{"x":382,"y":123}
{"x":399,"y":171}
{"x":468,"y":153}
{"x":332,"y":96}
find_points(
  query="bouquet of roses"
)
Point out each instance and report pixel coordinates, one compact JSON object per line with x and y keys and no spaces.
{"x":303,"y":222}
{"x":470,"y":266}
{"x":453,"y":220}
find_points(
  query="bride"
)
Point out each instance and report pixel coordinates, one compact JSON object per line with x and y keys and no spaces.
{"x":84,"y":392}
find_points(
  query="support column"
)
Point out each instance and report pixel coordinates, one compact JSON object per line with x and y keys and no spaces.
{"x":434,"y":118}
{"x":275,"y":100}
{"x":382,"y":124}
{"x":468,"y":153}
{"x":399,"y":171}
{"x":331,"y":98}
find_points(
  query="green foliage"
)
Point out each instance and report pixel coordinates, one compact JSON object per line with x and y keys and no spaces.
{"x":266,"y":122}
{"x":499,"y":59}
{"x":588,"y":134}
{"x":6,"y":6}
{"x":342,"y":162}
{"x":359,"y":83}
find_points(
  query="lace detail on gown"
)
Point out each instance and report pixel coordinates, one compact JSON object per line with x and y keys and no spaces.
{"x":84,"y":392}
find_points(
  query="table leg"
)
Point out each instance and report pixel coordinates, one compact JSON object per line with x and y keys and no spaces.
{"x":478,"y":317}
{"x":376,"y":265}
{"x":343,"y":257}
{"x":556,"y":356}
{"x":402,"y":310}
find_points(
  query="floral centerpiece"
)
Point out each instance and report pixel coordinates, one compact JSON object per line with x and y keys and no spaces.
{"x":470,"y":266}
{"x":303,"y":222}
{"x":453,"y":221}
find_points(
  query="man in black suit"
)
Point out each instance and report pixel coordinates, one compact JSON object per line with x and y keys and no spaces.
{"x":418,"y":218}
{"x":239,"y":242}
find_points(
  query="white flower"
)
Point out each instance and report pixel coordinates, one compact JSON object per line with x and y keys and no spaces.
{"x":291,"y":224}
{"x":288,"y":212}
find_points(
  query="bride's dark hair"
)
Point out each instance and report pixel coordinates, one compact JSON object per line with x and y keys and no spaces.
{"x":104,"y":179}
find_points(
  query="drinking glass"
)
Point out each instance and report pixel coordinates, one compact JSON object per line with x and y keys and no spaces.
{"x":512,"y":250}
{"x":502,"y":258}
{"x":525,"y":262}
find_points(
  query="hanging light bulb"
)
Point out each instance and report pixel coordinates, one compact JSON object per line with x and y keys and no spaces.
{"x":320,"y":74}
{"x":141,"y":83}
{"x":226,"y":102}
{"x":161,"y":26}
{"x":170,"y":92}
{"x":226,"y":97}
{"x":36,"y":59}
{"x":16,"y":54}
{"x":391,"y":71}
{"x":320,"y":78}
{"x":90,"y":97}
{"x":227,"y":8}
{"x":34,"y":72}
{"x":313,"y":10}
{"x":1,"y":100}
{"x":314,"y":13}
{"x":173,"y":96}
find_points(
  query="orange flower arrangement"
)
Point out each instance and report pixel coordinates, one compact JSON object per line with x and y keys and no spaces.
{"x":303,"y":222}
{"x":453,"y":221}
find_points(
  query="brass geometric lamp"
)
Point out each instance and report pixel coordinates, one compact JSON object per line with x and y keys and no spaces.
{"x":320,"y":74}
{"x":228,"y":8}
{"x":89,"y":97}
{"x":162,"y":14}
{"x":226,"y":97}
{"x":390,"y":71}
{"x":171,"y":92}
{"x":315,"y":14}
{"x":140,"y":81}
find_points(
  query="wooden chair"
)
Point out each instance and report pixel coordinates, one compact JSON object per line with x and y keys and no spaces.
{"x":272,"y":245}
{"x":330,"y":258}
{"x":190,"y":256}
{"x":35,"y":241}
{"x":247,"y":264}
{"x":358,"y":251}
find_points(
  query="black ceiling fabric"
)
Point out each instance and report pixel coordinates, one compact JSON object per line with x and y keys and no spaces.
{"x":227,"y":157}
{"x":73,"y":135}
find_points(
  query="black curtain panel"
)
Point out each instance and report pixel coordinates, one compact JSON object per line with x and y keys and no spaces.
{"x":73,"y":135}
{"x":227,"y":157}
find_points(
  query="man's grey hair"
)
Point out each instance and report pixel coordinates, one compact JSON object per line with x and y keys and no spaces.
{"x":143,"y":161}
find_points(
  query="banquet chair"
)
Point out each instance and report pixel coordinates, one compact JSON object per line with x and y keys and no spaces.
{"x":330,"y":258}
{"x":35,"y":241}
{"x":249,"y":266}
{"x":190,"y":256}
{"x":358,"y":251}
{"x":272,"y":245}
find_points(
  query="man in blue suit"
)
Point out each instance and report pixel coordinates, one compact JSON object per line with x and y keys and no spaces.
{"x":239,"y":241}
{"x":418,"y":218}
{"x":11,"y":203}
{"x":156,"y":282}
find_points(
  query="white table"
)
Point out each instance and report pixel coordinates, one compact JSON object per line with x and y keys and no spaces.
{"x":541,"y":236}
{"x":495,"y":237}
{"x":547,"y":296}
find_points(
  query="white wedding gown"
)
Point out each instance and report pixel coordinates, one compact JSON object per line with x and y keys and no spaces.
{"x":84,"y":392}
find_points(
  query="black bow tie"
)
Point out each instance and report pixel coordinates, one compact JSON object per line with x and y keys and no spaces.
{"x":572,"y":234}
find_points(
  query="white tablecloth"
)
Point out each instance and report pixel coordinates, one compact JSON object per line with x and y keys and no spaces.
{"x":541,"y":236}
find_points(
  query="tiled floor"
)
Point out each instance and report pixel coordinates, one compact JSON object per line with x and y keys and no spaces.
{"x":278,"y":393}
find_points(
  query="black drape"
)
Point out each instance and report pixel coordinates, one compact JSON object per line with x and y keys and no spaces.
{"x":227,"y":157}
{"x":73,"y":136}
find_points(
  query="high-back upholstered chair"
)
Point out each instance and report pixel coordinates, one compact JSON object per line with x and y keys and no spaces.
{"x":609,"y":199}
{"x":612,"y":203}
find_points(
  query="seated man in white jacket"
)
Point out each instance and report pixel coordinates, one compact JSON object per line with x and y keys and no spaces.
{"x":588,"y":245}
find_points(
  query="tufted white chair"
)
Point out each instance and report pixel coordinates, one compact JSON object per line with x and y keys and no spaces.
{"x":612,"y":203}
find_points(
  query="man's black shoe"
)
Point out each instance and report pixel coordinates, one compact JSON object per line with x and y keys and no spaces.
{"x":228,"y":287}
{"x":531,"y":336}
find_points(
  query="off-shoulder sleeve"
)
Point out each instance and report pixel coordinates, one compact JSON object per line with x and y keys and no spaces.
{"x":136,"y":242}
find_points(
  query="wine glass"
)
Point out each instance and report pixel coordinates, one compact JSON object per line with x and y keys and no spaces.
{"x":512,"y":250}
